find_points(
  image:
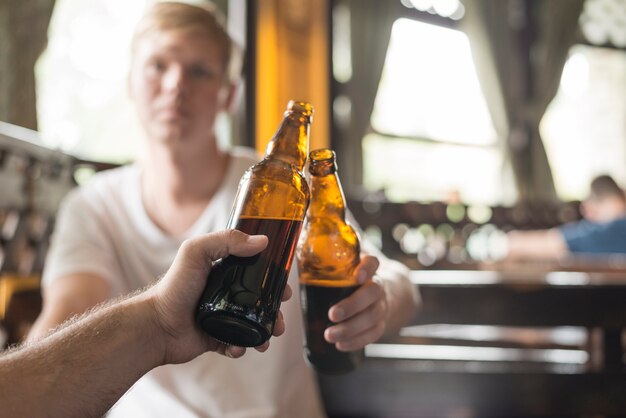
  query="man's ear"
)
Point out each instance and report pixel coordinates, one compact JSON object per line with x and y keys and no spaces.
{"x":229,"y":96}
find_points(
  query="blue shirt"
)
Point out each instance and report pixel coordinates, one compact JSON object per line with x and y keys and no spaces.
{"x":596,"y":238}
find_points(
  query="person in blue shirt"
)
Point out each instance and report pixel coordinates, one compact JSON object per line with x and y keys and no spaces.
{"x":601,"y":231}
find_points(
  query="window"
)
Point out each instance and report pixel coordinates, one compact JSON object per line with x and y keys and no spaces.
{"x":81,"y":80}
{"x":584,"y":128}
{"x":430,"y":118}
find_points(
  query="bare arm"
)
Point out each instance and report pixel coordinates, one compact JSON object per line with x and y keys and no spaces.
{"x":83,"y":368}
{"x":68,"y":296}
{"x":539,"y":245}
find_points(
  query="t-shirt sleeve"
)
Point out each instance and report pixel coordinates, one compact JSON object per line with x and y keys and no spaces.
{"x":80,"y":242}
{"x":595,"y":238}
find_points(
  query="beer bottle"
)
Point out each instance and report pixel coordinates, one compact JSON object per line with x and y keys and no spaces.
{"x":242,"y":297}
{"x":328,"y":254}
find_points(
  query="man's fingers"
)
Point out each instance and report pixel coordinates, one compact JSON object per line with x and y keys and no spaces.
{"x":356,"y":325}
{"x":231,"y":241}
{"x":367,"y":268}
{"x":361,"y":340}
{"x":287,"y":293}
{"x":233,"y":351}
{"x":366,"y":295}
{"x":263,"y":347}
{"x":202,"y":250}
{"x":279,"y":327}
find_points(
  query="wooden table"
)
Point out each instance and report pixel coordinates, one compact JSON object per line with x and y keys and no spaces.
{"x":532,"y":299}
{"x":388,"y":386}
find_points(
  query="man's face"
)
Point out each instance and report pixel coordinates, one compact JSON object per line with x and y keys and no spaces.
{"x":178,"y":84}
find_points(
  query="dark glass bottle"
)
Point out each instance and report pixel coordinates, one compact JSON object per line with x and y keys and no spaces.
{"x":327,"y":253}
{"x":240,"y":303}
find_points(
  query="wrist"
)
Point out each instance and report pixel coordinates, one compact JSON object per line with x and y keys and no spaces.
{"x":150,"y":327}
{"x":384,"y":285}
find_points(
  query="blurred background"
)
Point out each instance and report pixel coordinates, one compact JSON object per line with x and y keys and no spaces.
{"x":454,"y":121}
{"x":477,"y":103}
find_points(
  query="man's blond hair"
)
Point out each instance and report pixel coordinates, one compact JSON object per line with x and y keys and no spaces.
{"x":199,"y":18}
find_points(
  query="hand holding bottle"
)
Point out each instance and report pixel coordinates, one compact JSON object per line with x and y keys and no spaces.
{"x":360,"y":318}
{"x":240,"y":304}
{"x":184,"y":282}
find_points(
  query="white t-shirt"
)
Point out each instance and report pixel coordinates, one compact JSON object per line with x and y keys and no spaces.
{"x":102,"y":228}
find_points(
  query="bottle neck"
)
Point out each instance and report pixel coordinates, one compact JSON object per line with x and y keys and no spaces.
{"x":327,"y":197}
{"x":291,"y":141}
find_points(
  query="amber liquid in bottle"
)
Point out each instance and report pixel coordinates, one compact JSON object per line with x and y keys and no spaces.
{"x":242,"y":297}
{"x":327,"y":254}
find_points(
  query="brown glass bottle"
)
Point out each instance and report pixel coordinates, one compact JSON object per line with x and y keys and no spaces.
{"x":327,"y":253}
{"x":240,"y":303}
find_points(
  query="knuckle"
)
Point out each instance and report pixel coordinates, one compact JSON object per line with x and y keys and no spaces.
{"x":232,"y":234}
{"x":187,"y":246}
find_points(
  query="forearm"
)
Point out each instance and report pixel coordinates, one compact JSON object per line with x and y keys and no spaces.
{"x":68,"y":296}
{"x":40,"y":379}
{"x":540,"y":245}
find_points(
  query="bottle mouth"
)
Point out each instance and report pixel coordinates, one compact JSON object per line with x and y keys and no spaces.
{"x":322,"y":162}
{"x":322,"y":155}
{"x":303,"y":108}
